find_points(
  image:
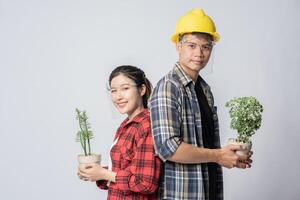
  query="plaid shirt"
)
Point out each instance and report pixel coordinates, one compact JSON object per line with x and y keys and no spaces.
{"x":133,"y":159}
{"x":175,"y":117}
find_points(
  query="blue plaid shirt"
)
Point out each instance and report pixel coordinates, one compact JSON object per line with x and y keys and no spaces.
{"x":175,"y":117}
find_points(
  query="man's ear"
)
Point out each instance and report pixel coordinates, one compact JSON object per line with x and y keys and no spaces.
{"x":178,"y":47}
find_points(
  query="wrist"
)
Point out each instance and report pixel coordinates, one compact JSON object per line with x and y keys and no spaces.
{"x":110,"y":176}
{"x":216,"y":154}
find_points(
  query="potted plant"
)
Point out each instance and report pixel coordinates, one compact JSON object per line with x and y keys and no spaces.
{"x":84,"y":135}
{"x":245,"y":114}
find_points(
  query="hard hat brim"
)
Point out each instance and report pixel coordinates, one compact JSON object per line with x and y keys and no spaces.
{"x":175,"y":37}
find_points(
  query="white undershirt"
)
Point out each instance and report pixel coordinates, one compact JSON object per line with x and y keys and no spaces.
{"x":110,"y":160}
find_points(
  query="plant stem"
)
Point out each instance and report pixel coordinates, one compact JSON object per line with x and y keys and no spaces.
{"x":87,"y":137}
{"x":82,"y":137}
{"x":89,"y":146}
{"x":82,"y":142}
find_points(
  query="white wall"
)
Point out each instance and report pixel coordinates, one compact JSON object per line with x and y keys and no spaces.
{"x":55,"y":55}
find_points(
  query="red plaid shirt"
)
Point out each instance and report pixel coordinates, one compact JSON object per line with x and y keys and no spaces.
{"x":133,"y":160}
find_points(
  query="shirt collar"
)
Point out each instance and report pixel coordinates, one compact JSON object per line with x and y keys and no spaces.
{"x":137,"y":119}
{"x":183,"y":77}
{"x":186,"y":79}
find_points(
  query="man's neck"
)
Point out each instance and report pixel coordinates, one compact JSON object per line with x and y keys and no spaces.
{"x":192,"y":74}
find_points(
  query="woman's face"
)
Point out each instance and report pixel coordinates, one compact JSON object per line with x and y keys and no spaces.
{"x":126,"y":96}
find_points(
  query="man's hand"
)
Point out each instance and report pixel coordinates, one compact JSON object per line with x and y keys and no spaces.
{"x":229,"y":159}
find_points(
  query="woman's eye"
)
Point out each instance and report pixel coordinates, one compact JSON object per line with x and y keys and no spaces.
{"x":124,"y":88}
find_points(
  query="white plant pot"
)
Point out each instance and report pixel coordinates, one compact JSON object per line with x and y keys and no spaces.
{"x":94,"y":158}
{"x":245,"y":147}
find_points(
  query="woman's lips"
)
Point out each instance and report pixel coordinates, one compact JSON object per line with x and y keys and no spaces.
{"x":122,"y":104}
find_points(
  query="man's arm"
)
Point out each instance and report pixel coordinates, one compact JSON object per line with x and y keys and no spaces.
{"x":166,"y":119}
{"x":225,"y":157}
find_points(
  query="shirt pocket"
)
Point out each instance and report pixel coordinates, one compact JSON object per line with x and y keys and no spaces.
{"x":126,"y":157}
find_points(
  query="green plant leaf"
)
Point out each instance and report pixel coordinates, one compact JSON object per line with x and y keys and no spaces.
{"x":245,"y":114}
{"x":85,"y":134}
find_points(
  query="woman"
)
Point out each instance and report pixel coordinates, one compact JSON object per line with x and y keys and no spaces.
{"x":135,"y":168}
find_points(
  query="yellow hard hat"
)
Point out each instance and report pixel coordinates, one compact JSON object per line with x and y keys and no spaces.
{"x":195,"y":21}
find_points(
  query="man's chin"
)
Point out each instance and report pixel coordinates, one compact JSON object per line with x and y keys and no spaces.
{"x":198,"y":67}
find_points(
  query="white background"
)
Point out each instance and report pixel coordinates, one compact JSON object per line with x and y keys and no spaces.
{"x":56,"y":55}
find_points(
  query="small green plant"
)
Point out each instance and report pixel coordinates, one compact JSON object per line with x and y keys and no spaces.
{"x":245,"y":114}
{"x":84,"y":135}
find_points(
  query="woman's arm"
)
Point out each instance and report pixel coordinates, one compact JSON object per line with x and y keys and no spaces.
{"x":142,"y":174}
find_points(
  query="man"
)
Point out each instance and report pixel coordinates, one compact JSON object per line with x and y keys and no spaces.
{"x":184,"y":119}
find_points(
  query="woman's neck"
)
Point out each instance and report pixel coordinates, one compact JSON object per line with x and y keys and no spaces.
{"x":135,"y":113}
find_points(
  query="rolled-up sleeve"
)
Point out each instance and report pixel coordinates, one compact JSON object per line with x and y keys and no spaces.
{"x":102,"y":184}
{"x":165,"y":118}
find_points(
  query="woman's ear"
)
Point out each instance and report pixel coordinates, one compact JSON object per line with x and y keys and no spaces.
{"x":143,"y":89}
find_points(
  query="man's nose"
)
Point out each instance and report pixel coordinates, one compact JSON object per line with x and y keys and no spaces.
{"x":199,"y":51}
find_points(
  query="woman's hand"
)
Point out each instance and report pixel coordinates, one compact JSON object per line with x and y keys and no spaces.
{"x":94,"y":172}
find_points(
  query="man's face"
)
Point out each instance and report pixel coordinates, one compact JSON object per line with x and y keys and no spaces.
{"x":194,"y":51}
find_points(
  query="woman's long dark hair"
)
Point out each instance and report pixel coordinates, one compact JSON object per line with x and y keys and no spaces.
{"x":135,"y":74}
